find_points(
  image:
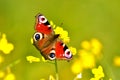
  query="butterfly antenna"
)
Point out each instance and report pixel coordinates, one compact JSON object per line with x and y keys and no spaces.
{"x":61,"y":24}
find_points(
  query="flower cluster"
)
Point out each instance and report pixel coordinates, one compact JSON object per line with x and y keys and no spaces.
{"x":63,"y":33}
{"x":5,"y":48}
{"x":8,"y":75}
{"x":87,"y":55}
{"x":98,"y":73}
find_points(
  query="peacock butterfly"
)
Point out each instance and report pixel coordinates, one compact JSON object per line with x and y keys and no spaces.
{"x":47,"y":42}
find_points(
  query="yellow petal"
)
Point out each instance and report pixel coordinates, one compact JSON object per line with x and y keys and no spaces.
{"x":32,"y":59}
{"x":43,"y":59}
{"x":63,"y":34}
{"x":98,"y":72}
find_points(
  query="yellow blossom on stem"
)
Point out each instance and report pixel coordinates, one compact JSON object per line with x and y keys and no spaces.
{"x":73,"y":50}
{"x":117,"y":61}
{"x":5,"y":46}
{"x":98,"y":73}
{"x":32,"y":59}
{"x":63,"y":34}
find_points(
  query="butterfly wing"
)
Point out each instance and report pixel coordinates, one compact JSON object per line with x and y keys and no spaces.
{"x":42,"y":25}
{"x":62,"y":51}
{"x":44,"y":43}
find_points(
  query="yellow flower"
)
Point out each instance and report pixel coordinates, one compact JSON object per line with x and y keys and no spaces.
{"x":63,"y":34}
{"x":1,"y":59}
{"x":96,"y":46}
{"x":117,"y":61}
{"x":86,"y":45}
{"x":73,"y":50}
{"x":32,"y":59}
{"x":2,"y":74}
{"x":77,"y":67}
{"x":5,"y":46}
{"x":87,"y":55}
{"x":98,"y":73}
{"x":9,"y":76}
{"x":87,"y":59}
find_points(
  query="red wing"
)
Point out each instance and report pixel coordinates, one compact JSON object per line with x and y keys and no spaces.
{"x":42,"y":25}
{"x":62,"y":51}
{"x":57,"y":50}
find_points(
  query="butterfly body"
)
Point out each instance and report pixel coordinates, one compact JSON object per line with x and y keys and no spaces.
{"x":47,"y":42}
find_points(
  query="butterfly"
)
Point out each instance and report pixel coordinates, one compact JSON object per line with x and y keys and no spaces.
{"x":47,"y":42}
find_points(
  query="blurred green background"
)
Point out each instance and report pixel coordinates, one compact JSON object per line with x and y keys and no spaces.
{"x":83,"y":19}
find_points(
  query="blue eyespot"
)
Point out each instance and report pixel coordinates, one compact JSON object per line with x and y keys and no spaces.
{"x":38,"y":36}
{"x":52,"y":55}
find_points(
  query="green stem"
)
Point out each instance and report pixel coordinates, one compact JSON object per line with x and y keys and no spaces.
{"x":11,"y":64}
{"x":56,"y":70}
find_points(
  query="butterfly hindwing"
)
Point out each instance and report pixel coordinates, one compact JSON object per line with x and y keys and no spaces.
{"x":62,"y":51}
